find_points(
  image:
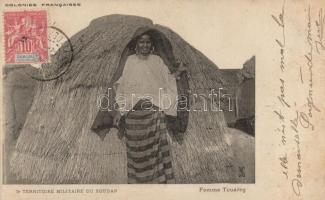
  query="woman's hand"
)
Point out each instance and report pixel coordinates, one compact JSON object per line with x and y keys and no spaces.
{"x":116,"y":119}
{"x":180,"y":69}
{"x":115,"y":86}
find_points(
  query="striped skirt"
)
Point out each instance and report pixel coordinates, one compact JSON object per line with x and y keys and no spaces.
{"x":148,"y":154}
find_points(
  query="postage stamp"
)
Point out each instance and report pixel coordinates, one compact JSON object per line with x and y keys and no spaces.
{"x":25,"y":37}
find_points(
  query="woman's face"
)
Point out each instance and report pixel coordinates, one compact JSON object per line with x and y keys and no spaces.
{"x":144,"y":45}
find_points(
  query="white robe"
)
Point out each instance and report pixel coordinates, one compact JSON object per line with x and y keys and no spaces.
{"x":147,"y":78}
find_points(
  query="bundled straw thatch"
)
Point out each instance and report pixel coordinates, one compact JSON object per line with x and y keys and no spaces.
{"x":56,"y":144}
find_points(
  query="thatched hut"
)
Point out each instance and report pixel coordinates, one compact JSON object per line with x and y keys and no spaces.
{"x":57,"y":145}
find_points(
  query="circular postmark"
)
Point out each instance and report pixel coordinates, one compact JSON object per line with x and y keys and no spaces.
{"x":60,"y":52}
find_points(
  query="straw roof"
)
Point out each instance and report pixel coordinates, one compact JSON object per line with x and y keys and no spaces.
{"x":56,"y":144}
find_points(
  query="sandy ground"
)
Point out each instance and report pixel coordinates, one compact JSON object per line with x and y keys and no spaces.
{"x":243,"y":147}
{"x":243,"y":150}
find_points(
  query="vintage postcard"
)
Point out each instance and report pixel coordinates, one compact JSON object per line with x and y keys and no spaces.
{"x":163,"y":99}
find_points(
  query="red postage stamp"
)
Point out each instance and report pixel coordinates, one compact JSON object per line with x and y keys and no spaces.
{"x":25,"y":37}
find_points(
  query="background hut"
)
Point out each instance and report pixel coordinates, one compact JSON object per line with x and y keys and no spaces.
{"x":56,"y":144}
{"x":230,"y":82}
{"x":19,"y":91}
{"x":245,"y":98}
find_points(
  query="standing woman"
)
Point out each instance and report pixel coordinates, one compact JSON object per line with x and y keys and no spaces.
{"x":145,"y":93}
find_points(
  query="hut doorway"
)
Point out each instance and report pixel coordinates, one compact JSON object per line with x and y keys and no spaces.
{"x":163,"y":48}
